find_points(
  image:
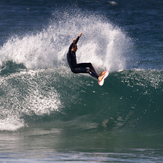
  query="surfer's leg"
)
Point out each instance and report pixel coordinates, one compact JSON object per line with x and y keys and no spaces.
{"x":86,"y":68}
{"x":86,"y":65}
{"x":93,"y":74}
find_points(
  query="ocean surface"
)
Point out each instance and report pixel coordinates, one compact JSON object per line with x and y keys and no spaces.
{"x":49,"y":114}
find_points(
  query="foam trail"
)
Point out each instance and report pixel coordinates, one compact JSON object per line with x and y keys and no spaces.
{"x":101,"y":43}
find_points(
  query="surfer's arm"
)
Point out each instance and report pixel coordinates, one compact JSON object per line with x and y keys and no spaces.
{"x":75,"y":40}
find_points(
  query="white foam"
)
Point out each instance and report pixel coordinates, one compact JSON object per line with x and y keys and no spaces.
{"x":26,"y":98}
{"x":40,"y":105}
{"x":101,"y":43}
{"x":11,"y":123}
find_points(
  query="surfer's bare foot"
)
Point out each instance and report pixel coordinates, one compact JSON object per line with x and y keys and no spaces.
{"x":100,"y":77}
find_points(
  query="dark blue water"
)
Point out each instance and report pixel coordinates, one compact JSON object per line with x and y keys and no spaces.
{"x":50,"y":114}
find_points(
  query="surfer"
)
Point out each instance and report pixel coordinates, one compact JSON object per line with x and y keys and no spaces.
{"x":80,"y":67}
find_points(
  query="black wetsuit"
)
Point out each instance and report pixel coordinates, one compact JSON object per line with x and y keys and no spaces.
{"x":81,"y":67}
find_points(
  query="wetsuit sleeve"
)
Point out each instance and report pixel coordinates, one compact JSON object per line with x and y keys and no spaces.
{"x":77,"y":39}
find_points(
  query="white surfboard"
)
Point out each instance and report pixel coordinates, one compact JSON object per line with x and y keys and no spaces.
{"x":103,"y":76}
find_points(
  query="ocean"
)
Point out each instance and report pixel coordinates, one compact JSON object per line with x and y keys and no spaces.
{"x":49,"y":114}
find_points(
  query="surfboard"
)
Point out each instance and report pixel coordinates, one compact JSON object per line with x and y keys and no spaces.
{"x":103,"y":75}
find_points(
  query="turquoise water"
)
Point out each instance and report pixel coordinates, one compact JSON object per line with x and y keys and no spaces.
{"x":49,"y":114}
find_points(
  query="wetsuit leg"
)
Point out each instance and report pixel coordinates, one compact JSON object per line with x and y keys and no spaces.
{"x":85,"y":68}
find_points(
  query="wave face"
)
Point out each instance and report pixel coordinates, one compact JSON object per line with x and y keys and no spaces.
{"x":131,"y":99}
{"x":37,"y":86}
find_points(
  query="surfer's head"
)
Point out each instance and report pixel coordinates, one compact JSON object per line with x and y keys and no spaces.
{"x":74,"y":47}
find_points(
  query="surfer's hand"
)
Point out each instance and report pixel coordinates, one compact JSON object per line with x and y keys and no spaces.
{"x":80,"y":34}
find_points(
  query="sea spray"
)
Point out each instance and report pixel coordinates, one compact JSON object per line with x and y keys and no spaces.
{"x":103,"y":44}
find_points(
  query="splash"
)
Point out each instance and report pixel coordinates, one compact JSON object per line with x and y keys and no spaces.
{"x":103,"y":44}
